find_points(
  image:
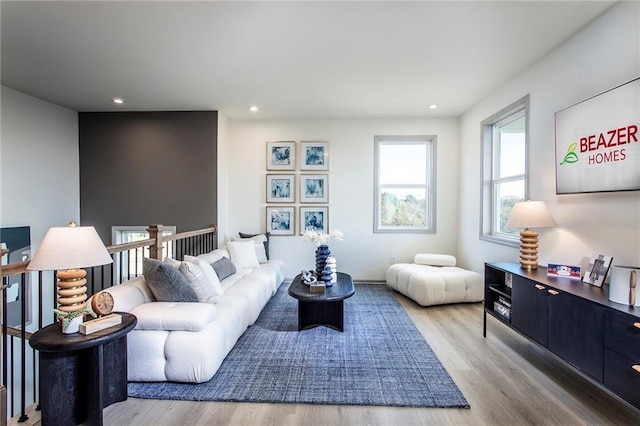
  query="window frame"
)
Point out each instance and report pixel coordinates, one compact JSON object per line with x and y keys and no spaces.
{"x":430,"y":141}
{"x":118,"y":231}
{"x":489,"y":216}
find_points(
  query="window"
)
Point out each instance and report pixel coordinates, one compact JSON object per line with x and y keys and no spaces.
{"x":133,"y":261}
{"x":405,"y":191}
{"x":504,"y":169}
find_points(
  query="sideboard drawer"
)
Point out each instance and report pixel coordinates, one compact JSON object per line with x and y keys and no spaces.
{"x":621,"y":377}
{"x":622,"y":334}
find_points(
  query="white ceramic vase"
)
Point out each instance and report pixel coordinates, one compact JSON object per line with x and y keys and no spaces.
{"x":71,"y":326}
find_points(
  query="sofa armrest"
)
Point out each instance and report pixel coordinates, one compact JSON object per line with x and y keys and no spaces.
{"x":174,"y":316}
{"x":130,"y":294}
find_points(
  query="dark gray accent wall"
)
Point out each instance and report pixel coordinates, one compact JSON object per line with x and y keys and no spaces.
{"x":141,"y":168}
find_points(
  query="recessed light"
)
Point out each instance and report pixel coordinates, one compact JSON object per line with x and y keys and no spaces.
{"x":433,"y":106}
{"x":118,"y":100}
{"x":253,"y":108}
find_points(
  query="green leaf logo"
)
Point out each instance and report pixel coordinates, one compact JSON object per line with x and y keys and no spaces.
{"x":570,"y":157}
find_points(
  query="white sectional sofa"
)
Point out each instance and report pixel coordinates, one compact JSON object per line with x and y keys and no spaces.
{"x":186,"y":341}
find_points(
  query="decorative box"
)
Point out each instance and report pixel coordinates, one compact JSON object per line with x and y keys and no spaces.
{"x":502,"y":310}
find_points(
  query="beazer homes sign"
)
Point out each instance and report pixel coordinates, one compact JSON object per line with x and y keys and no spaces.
{"x":597,"y":146}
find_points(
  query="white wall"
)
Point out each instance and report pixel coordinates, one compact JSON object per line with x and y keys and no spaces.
{"x":363,"y":254}
{"x":39,"y":173}
{"x":223,"y":177}
{"x":603,"y":55}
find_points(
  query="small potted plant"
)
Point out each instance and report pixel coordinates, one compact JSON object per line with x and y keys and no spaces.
{"x":71,"y":320}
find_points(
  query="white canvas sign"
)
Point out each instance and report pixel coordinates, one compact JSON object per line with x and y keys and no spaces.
{"x":597,"y":142}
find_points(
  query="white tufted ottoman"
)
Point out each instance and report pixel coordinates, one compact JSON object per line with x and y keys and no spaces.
{"x":433,"y":279}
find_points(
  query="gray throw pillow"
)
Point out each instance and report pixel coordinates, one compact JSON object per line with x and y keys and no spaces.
{"x":266,"y":243}
{"x":166,"y":282}
{"x":224,"y":267}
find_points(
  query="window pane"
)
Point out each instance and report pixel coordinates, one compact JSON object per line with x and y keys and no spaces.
{"x":507,"y":194}
{"x":511,"y":148}
{"x":403,"y":207}
{"x":403,"y":164}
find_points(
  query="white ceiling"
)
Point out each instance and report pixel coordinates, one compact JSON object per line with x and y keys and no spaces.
{"x":292,"y":59}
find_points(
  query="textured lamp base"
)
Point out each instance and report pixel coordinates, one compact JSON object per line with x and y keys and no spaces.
{"x":72,"y":291}
{"x":529,"y":249}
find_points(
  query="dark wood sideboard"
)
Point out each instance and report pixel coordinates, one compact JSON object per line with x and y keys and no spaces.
{"x":573,"y":320}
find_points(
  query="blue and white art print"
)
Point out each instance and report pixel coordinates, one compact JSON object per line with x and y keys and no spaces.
{"x":314,"y":219}
{"x":314,"y":188}
{"x":280,"y":220}
{"x":281,"y":155}
{"x":281,"y":188}
{"x":314,"y":155}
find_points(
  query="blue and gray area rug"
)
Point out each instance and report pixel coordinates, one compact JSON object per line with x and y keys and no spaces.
{"x":380,"y":359}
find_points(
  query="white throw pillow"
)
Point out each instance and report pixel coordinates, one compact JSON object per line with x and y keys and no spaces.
{"x":243,"y":254}
{"x":434,"y":259}
{"x":208,"y":273}
{"x":199,"y":282}
{"x":259,"y":241}
{"x":215,"y":255}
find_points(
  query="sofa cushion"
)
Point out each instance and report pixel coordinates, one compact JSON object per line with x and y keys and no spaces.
{"x":243,"y":254}
{"x":223,"y":267}
{"x":265,"y":243}
{"x":209,"y":275}
{"x":166,"y":282}
{"x":434,"y":259}
{"x":199,"y":282}
{"x":214,"y":255}
{"x":174,"y":316}
{"x":258,"y":241}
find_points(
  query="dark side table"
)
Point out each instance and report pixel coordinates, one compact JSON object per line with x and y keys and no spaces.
{"x":80,"y":375}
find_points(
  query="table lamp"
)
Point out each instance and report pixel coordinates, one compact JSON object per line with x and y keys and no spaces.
{"x":67,"y":250}
{"x":530,"y":214}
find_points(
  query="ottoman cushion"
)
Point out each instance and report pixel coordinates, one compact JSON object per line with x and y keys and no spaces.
{"x":435,"y":285}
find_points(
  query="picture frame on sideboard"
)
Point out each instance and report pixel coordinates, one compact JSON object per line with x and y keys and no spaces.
{"x":597,"y":270}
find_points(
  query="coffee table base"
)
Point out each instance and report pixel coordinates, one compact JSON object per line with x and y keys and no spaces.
{"x":313,"y":314}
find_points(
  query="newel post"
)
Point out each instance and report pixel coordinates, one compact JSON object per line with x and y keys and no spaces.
{"x":3,"y":389}
{"x":155,"y":250}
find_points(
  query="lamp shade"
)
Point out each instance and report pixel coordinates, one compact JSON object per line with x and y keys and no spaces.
{"x":70,"y":248}
{"x":530,"y":214}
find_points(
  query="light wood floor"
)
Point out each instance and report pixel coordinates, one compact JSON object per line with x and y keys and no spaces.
{"x":506,"y":379}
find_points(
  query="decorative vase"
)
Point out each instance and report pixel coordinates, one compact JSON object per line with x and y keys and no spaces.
{"x":322,"y":252}
{"x":70,"y":326}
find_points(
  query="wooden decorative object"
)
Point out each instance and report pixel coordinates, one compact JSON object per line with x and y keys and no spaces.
{"x":101,"y":323}
{"x":102,"y":303}
{"x":72,"y":290}
{"x":529,"y":249}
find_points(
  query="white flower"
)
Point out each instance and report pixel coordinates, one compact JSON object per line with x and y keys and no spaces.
{"x":321,"y":238}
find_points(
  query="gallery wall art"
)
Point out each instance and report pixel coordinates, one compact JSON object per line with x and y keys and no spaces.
{"x":312,"y":189}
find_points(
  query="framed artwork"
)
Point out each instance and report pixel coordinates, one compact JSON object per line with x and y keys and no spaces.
{"x":280,"y":220}
{"x":17,"y":240}
{"x":281,"y":155}
{"x":314,"y":155}
{"x":596,"y":142}
{"x":314,"y":188}
{"x":315,"y":219}
{"x":597,"y":270}
{"x":281,"y":188}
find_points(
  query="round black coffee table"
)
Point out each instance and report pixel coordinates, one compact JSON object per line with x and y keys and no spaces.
{"x":326,"y":308}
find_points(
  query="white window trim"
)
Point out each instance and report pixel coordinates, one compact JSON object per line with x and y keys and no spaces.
{"x":431,"y":142}
{"x":116,"y":238}
{"x":488,"y":183}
